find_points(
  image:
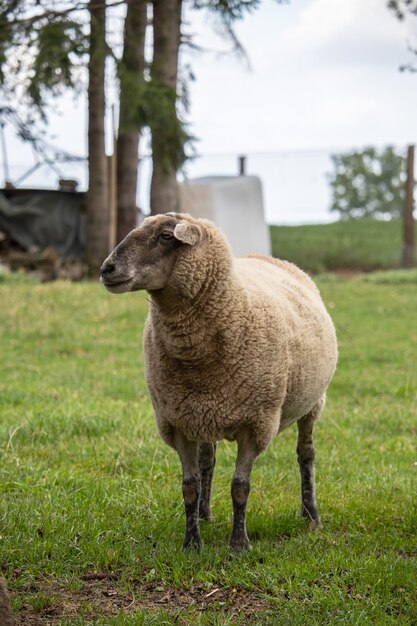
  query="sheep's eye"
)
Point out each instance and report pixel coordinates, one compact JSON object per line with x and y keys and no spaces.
{"x":166,"y":236}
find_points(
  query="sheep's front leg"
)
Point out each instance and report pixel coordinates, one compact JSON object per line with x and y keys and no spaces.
{"x":306,"y":454}
{"x":246,"y":455}
{"x":191,"y":488}
{"x":207,"y":461}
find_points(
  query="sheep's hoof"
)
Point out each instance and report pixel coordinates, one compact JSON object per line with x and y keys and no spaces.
{"x":192,"y":543}
{"x":204,"y":513}
{"x":312,"y":517}
{"x":240,"y":544}
{"x":314,"y":524}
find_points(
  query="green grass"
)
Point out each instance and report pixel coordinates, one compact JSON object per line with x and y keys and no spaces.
{"x":355,"y":245}
{"x":88,"y":487}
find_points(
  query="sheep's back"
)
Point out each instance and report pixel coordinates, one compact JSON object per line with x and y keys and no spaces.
{"x":310,"y":340}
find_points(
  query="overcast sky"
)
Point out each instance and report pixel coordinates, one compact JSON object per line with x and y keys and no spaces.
{"x":324,"y":73}
{"x":324,"y":76}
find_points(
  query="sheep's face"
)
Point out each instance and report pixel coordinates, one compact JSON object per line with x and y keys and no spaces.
{"x":146,"y":257}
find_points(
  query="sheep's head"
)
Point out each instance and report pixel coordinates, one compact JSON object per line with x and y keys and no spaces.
{"x":146,"y":257}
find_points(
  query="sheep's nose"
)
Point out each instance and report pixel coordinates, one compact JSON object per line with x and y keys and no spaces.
{"x":107,"y":268}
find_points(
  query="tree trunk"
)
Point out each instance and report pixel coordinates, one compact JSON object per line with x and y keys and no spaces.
{"x":97,"y":209}
{"x":131,"y":77}
{"x":167,"y":34}
{"x":408,"y":220}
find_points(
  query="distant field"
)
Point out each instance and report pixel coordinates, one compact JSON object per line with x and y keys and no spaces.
{"x":356,"y":245}
{"x":91,"y":513}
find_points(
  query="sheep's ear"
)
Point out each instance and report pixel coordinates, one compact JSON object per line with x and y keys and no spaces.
{"x":187,"y":233}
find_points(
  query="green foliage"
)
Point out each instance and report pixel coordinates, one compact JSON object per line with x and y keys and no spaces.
{"x":9,"y":10}
{"x":394,"y":277}
{"x":87,"y":485}
{"x":4,"y":41}
{"x":50,"y":48}
{"x":132,"y":85}
{"x":59,"y":43}
{"x":157,"y":109}
{"x":370,"y":183}
{"x":402,"y":7}
{"x":56,"y":47}
{"x":366,"y":244}
{"x":230,"y":10}
{"x":41,"y":51}
{"x":15,"y":278}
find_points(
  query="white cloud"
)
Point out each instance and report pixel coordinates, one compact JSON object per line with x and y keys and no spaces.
{"x":325,"y":75}
{"x":348,"y":33}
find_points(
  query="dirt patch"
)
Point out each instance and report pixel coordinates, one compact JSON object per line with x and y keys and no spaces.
{"x":5,"y":615}
{"x":346,"y":272}
{"x":99,"y":595}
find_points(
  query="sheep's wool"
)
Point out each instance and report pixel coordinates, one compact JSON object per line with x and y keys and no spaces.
{"x":234,"y":343}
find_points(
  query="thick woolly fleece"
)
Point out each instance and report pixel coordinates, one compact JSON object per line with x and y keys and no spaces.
{"x":234,"y":348}
{"x":232,"y":343}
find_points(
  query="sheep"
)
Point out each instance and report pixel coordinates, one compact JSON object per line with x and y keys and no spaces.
{"x":234,"y":349}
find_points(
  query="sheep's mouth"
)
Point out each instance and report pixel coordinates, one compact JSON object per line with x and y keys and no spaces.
{"x":116,"y":285}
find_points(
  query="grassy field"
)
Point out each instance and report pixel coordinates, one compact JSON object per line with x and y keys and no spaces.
{"x":91,"y":517}
{"x":355,"y":244}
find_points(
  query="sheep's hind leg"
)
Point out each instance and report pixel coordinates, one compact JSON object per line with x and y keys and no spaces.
{"x":246,"y":455}
{"x":306,"y":455}
{"x":191,"y":488}
{"x":206,"y":461}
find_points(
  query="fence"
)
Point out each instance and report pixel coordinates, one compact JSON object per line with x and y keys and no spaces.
{"x":295,"y":182}
{"x":295,"y":185}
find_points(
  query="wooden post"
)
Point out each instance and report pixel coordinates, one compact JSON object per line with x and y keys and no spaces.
{"x":242,"y":165}
{"x":4,"y":153}
{"x":408,"y":221}
{"x":112,"y":177}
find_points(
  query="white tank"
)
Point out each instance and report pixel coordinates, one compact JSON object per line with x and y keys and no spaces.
{"x":235,"y":205}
